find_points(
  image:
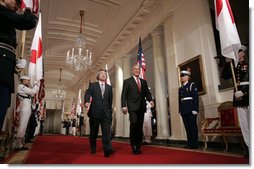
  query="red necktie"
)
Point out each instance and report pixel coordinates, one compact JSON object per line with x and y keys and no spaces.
{"x":138,"y":83}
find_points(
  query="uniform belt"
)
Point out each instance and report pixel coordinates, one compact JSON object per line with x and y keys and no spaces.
{"x":24,"y":97}
{"x":244,"y":83}
{"x":7,"y":47}
{"x":187,"y":98}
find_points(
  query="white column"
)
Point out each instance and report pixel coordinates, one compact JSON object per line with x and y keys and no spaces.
{"x":177,"y":128}
{"x":126,"y":74}
{"x":160,"y":87}
{"x":118,"y":91}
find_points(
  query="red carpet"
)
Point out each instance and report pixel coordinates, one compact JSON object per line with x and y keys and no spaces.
{"x":75,"y":150}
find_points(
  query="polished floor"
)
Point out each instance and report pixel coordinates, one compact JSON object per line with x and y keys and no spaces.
{"x":17,"y":157}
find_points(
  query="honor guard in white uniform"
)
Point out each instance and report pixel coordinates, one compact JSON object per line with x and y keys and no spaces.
{"x":24,"y":94}
{"x":147,"y":126}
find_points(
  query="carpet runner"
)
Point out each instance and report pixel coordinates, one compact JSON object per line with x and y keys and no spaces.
{"x":75,"y":150}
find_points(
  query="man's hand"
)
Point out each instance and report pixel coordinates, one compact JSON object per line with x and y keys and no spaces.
{"x":87,"y":105}
{"x":36,"y":83}
{"x":124,"y":110}
{"x":238,"y":94}
{"x":152,"y":104}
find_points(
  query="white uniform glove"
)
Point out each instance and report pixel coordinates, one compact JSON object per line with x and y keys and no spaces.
{"x":238,"y":94}
{"x":194,"y":112}
{"x":21,"y":63}
{"x":29,"y":4}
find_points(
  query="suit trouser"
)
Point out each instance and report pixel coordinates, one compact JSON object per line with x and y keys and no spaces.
{"x":244,"y":116}
{"x":190,"y":124}
{"x":106,"y":133}
{"x":5,"y":99}
{"x":31,"y":127}
{"x":136,"y":128}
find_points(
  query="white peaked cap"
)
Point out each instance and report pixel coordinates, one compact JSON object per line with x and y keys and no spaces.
{"x":185,"y":72}
{"x":24,"y":78}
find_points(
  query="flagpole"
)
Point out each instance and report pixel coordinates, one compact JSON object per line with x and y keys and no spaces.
{"x":233,"y":74}
{"x":20,"y":55}
{"x":23,"y":39}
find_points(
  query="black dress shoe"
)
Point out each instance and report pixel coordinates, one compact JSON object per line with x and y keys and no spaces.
{"x":107,"y":153}
{"x":137,"y":152}
{"x":246,"y":154}
{"x":134,"y":149}
{"x":193,"y":147}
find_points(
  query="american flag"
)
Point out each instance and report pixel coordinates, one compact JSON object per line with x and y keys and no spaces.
{"x":16,"y":113}
{"x":141,"y":61}
{"x":73,"y":109}
{"x":42,"y":109}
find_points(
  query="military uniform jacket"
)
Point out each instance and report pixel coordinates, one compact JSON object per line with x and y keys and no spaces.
{"x":10,"y":21}
{"x":188,"y":98}
{"x":242,"y":78}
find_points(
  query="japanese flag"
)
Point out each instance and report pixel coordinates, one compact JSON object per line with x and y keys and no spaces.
{"x":36,"y":60}
{"x":225,"y":24}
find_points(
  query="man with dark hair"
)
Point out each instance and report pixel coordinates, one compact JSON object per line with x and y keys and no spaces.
{"x":100,"y":112}
{"x":133,"y":100}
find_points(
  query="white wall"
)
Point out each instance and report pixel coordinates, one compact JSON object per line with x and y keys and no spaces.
{"x":193,"y":35}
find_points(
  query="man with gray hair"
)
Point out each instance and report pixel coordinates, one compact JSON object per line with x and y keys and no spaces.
{"x":133,"y":100}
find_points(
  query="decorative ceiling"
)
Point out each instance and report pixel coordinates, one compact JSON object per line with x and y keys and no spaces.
{"x":105,"y":25}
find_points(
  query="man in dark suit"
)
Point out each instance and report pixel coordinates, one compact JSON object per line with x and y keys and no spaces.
{"x":189,"y":108}
{"x":98,"y":98}
{"x":133,"y":100}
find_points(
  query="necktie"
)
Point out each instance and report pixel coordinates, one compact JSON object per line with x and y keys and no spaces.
{"x":102,"y":90}
{"x":138,"y":83}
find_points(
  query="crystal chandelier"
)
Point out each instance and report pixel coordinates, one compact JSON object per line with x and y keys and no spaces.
{"x":59,"y":93}
{"x":79,"y":56}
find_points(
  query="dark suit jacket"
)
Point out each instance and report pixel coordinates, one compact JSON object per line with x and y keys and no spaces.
{"x":132,"y":98}
{"x":99,"y":108}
